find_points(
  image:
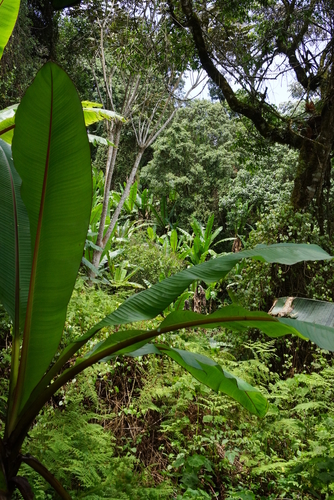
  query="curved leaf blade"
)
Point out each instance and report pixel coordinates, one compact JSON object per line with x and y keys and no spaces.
{"x":135,"y":342}
{"x":233,"y":317}
{"x":214,"y":376}
{"x":94,"y":115}
{"x":149,"y":303}
{"x":9,"y":10}
{"x":51,"y":153}
{"x":211,"y":374}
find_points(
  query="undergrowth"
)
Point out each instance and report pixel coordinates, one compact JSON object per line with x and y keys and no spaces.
{"x":144,"y":429}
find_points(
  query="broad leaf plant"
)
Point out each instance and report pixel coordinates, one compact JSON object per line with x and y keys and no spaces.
{"x":45,"y":204}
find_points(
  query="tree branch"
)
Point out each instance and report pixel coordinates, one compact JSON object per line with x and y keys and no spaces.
{"x":282,"y":135}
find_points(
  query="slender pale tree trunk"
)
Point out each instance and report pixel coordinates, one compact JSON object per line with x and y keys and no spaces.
{"x":102,"y":242}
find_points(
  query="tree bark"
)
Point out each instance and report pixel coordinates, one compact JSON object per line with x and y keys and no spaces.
{"x":315,"y":155}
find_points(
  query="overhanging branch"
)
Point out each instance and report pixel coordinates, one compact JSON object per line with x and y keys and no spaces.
{"x":282,"y":134}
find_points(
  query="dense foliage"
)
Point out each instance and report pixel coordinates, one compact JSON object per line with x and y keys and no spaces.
{"x":208,"y":162}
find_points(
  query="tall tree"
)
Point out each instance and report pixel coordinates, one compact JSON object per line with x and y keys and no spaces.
{"x":136,"y":76}
{"x":247,"y":44}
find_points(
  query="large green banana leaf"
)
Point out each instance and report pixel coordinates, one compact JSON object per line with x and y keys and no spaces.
{"x":134,"y":343}
{"x":51,"y":154}
{"x":9,"y":10}
{"x":149,"y":303}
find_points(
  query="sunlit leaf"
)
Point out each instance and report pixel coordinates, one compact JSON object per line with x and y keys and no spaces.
{"x":94,"y":115}
{"x":7,"y":123}
{"x":9,"y":10}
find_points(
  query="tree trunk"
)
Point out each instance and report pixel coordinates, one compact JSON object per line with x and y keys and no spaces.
{"x":314,"y":161}
{"x":110,"y":167}
{"x":5,"y":495}
{"x":124,"y":196}
{"x":313,"y":165}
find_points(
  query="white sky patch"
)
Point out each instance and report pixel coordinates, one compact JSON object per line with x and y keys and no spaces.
{"x":277,"y":88}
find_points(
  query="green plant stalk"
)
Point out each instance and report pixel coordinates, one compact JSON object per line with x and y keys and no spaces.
{"x":46,"y":474}
{"x":30,"y":411}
